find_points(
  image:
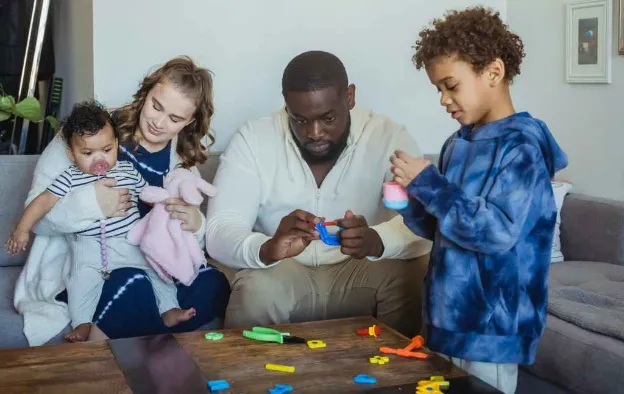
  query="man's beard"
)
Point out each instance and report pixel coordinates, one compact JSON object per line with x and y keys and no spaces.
{"x":334,"y":151}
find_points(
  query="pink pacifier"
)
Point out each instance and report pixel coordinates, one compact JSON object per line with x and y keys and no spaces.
{"x":394,"y":196}
{"x":99,"y":167}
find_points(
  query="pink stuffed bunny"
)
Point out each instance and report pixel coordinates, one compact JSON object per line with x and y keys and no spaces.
{"x":171,"y":251}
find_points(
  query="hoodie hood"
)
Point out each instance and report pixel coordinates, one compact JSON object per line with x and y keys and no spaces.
{"x":524,"y":123}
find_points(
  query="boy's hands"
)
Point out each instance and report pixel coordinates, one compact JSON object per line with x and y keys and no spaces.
{"x":405,"y":167}
{"x":18,"y":241}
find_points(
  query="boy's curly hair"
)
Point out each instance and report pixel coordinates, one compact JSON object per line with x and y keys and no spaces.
{"x":475,"y":35}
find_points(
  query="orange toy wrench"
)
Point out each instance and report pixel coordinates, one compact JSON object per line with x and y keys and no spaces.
{"x":416,"y":343}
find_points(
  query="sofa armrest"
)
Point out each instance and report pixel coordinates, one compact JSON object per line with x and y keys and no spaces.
{"x":592,"y":229}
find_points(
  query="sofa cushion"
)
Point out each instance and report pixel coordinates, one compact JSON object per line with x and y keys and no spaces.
{"x":16,"y":174}
{"x":11,"y":324}
{"x":601,"y":278}
{"x":589,"y":295}
{"x":580,"y":360}
{"x":592,"y":229}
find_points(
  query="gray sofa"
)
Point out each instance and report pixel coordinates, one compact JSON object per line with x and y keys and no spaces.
{"x":592,"y":232}
{"x":585,"y":360}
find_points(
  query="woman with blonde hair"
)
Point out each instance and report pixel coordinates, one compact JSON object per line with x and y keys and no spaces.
{"x":167,"y":125}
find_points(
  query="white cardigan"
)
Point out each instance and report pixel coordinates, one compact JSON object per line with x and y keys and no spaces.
{"x":262,"y":177}
{"x":46,"y":272}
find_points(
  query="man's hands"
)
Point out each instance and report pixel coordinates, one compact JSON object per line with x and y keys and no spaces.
{"x":357,"y":239}
{"x":297,"y":230}
{"x":293,"y":235}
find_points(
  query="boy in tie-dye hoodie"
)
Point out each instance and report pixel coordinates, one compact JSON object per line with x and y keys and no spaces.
{"x":488,"y":207}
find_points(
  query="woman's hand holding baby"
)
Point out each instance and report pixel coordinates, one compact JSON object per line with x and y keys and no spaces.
{"x":112,"y":202}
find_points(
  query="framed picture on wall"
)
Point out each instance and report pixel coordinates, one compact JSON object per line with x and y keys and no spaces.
{"x":588,"y":41}
{"x":621,"y":27}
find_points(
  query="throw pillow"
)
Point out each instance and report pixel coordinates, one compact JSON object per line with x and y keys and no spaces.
{"x":560,"y":189}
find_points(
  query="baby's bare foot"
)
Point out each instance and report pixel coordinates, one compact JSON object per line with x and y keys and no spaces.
{"x":176,"y":316}
{"x":79,"y":334}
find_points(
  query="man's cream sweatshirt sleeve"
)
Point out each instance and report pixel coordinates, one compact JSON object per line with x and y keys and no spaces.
{"x":399,"y":241}
{"x":233,"y":211}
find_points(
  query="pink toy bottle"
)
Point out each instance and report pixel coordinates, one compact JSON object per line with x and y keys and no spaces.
{"x":394,"y":196}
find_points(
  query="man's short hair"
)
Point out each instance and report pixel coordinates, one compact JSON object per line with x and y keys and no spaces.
{"x":312,"y":71}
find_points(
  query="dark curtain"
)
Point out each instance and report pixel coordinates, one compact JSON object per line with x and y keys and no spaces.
{"x":14,"y":24}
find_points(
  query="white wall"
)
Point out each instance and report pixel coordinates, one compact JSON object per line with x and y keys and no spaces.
{"x":105,"y":47}
{"x":72,"y":22}
{"x":247,"y":43}
{"x":586,"y":119}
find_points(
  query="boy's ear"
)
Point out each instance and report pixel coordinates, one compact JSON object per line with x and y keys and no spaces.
{"x":495,"y":72}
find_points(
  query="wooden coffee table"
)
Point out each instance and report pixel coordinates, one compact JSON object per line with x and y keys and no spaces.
{"x":91,"y":367}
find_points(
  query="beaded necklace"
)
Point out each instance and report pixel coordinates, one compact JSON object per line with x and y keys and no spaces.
{"x":104,"y":251}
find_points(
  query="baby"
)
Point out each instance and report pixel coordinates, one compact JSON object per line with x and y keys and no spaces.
{"x":92,"y":144}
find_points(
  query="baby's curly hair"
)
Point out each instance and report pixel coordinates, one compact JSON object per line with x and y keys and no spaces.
{"x":475,"y":35}
{"x":86,"y":118}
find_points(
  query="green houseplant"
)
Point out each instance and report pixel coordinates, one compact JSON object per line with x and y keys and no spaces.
{"x":29,"y":109}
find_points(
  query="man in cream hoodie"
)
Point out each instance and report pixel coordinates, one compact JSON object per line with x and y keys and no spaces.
{"x":318,"y":157}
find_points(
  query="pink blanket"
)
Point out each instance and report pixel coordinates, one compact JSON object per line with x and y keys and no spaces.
{"x":172,"y":252}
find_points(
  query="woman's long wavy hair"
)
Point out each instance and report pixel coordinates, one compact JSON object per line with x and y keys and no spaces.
{"x":194,"y":82}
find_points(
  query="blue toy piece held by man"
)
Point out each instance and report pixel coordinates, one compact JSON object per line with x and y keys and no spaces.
{"x":326,"y":237}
